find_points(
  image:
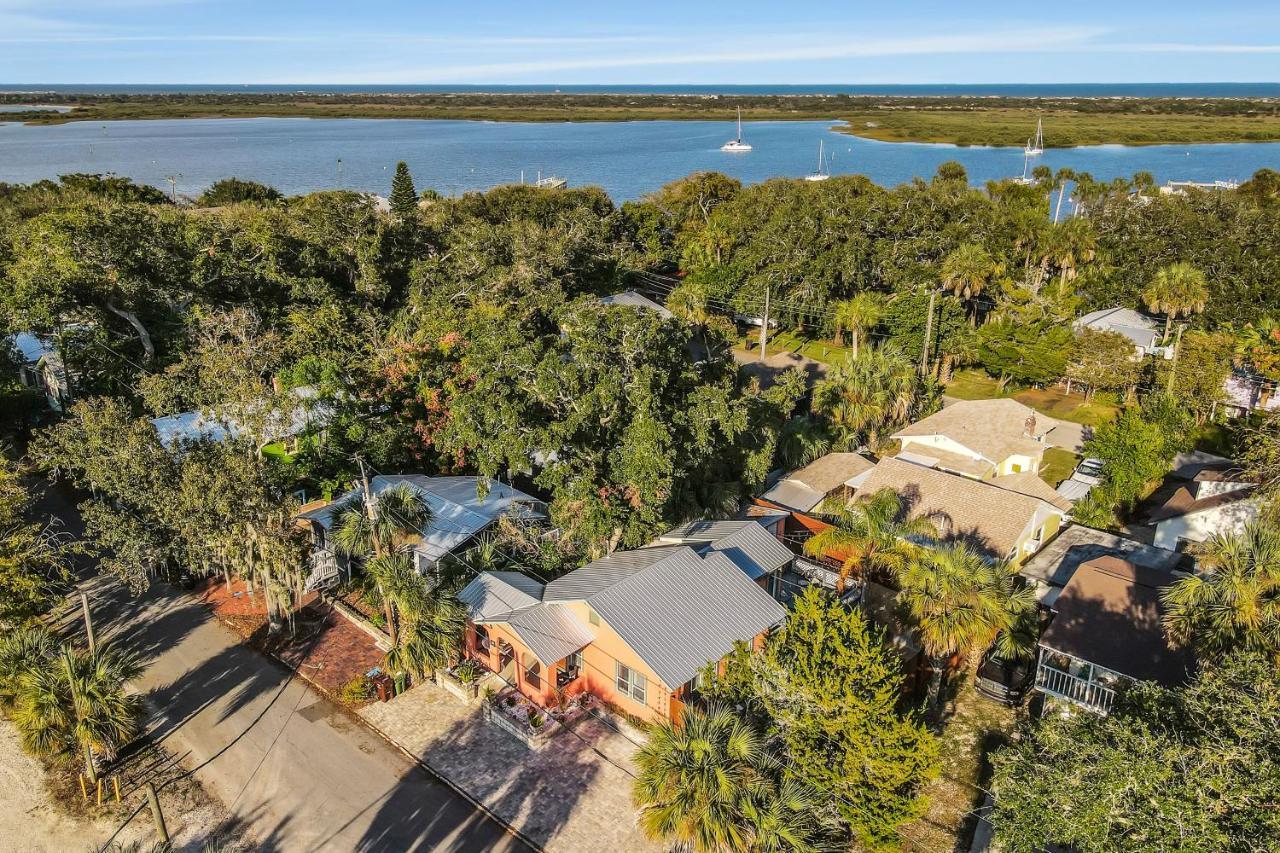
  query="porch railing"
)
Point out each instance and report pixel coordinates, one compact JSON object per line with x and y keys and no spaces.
{"x":1073,"y":688}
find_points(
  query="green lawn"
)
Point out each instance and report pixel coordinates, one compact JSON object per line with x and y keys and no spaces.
{"x":818,"y":349}
{"x":975,"y":384}
{"x":1058,"y":465}
{"x":278,"y":452}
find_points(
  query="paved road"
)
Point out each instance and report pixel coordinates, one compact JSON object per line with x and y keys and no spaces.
{"x":290,"y":765}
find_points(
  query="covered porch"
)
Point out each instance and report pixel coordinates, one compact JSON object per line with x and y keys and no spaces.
{"x":1077,"y":681}
{"x":545,"y":669}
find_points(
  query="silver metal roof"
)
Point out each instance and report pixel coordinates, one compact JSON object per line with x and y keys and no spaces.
{"x":748,"y":544}
{"x":493,"y":594}
{"x":581,"y":584}
{"x":638,"y":300}
{"x":551,"y":631}
{"x":458,"y":512}
{"x":682,"y":612}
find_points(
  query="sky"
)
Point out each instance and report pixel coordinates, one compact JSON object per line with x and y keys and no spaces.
{"x":647,"y":42}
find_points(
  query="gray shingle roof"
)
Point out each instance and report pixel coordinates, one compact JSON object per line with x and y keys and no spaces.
{"x":805,"y":488}
{"x":990,"y":517}
{"x":993,"y":428}
{"x":1141,"y":330}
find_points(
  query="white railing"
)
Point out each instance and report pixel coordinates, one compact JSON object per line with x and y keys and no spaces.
{"x":1073,"y":688}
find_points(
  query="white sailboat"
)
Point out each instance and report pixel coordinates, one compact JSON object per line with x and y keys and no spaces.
{"x":736,"y":144}
{"x":821,"y":174}
{"x":1026,"y":179}
{"x":1036,"y":148}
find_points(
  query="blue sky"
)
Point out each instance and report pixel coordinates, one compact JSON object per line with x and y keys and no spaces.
{"x":653,"y":41}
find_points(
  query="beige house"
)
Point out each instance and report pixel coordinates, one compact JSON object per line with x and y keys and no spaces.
{"x":979,"y":439}
{"x":1007,"y":518}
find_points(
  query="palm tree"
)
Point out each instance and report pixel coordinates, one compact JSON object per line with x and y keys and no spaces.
{"x":857,"y":315}
{"x":969,"y":271}
{"x":374,"y":527}
{"x":1234,"y":600}
{"x":695,"y":780}
{"x":76,"y":702}
{"x":868,"y":395}
{"x":1177,"y":290}
{"x":431,"y":638}
{"x":868,"y":534}
{"x":960,"y":603}
{"x":803,"y":440}
{"x":21,"y":650}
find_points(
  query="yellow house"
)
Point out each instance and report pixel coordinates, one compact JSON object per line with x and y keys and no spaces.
{"x":635,"y":628}
{"x":980,"y":439}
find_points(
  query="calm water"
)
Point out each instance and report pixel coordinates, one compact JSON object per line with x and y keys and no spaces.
{"x":628,"y":159}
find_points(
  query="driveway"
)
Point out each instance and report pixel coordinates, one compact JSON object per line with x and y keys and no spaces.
{"x":296,"y":771}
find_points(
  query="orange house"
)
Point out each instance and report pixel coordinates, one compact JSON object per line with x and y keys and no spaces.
{"x":635,"y":628}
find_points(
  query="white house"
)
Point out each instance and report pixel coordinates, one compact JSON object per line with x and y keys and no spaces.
{"x":40,"y":366}
{"x":1142,"y":330}
{"x":1201,"y":502}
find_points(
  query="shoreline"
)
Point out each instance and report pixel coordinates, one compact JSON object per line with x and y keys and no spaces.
{"x":956,"y":128}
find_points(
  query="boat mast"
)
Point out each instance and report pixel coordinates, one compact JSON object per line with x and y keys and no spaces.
{"x":739,"y":124}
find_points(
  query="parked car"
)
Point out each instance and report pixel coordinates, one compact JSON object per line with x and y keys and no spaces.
{"x":1006,"y":681}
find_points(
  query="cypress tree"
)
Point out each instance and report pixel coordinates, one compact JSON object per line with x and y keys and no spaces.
{"x":404,"y":198}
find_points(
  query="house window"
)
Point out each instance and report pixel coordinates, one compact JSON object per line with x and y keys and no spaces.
{"x":532,"y":672}
{"x":482,"y":638}
{"x":592,"y":616}
{"x":1016,"y":467}
{"x":631,"y":683}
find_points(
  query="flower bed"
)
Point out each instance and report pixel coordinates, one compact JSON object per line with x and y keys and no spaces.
{"x":463,"y":680}
{"x":520,"y":718}
{"x":532,"y":725}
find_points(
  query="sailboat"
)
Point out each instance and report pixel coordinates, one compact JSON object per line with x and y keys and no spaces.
{"x":821,"y":174}
{"x":736,"y":144}
{"x":1026,"y":179}
{"x":1036,"y":148}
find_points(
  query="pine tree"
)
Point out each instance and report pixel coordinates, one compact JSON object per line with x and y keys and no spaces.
{"x":830,"y":689}
{"x":404,"y":198}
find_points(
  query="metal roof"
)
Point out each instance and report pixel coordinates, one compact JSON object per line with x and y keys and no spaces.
{"x":492,"y":594}
{"x":458,"y":511}
{"x":682,"y":612}
{"x":581,"y":584}
{"x":748,"y":544}
{"x":637,"y":300}
{"x":551,"y":631}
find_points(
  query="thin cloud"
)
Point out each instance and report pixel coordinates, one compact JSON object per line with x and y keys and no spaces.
{"x":854,"y":46}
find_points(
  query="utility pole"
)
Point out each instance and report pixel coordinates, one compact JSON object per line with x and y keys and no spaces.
{"x":1177,"y":346}
{"x":928,"y":334}
{"x":156,"y":814}
{"x":88,"y":623}
{"x":764,"y":327}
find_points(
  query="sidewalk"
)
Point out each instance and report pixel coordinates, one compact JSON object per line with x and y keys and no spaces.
{"x":572,"y":796}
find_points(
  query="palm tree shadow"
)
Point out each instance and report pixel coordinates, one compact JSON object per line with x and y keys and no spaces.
{"x":535,"y":792}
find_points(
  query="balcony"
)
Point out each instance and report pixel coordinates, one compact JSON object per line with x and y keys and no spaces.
{"x":1085,"y":692}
